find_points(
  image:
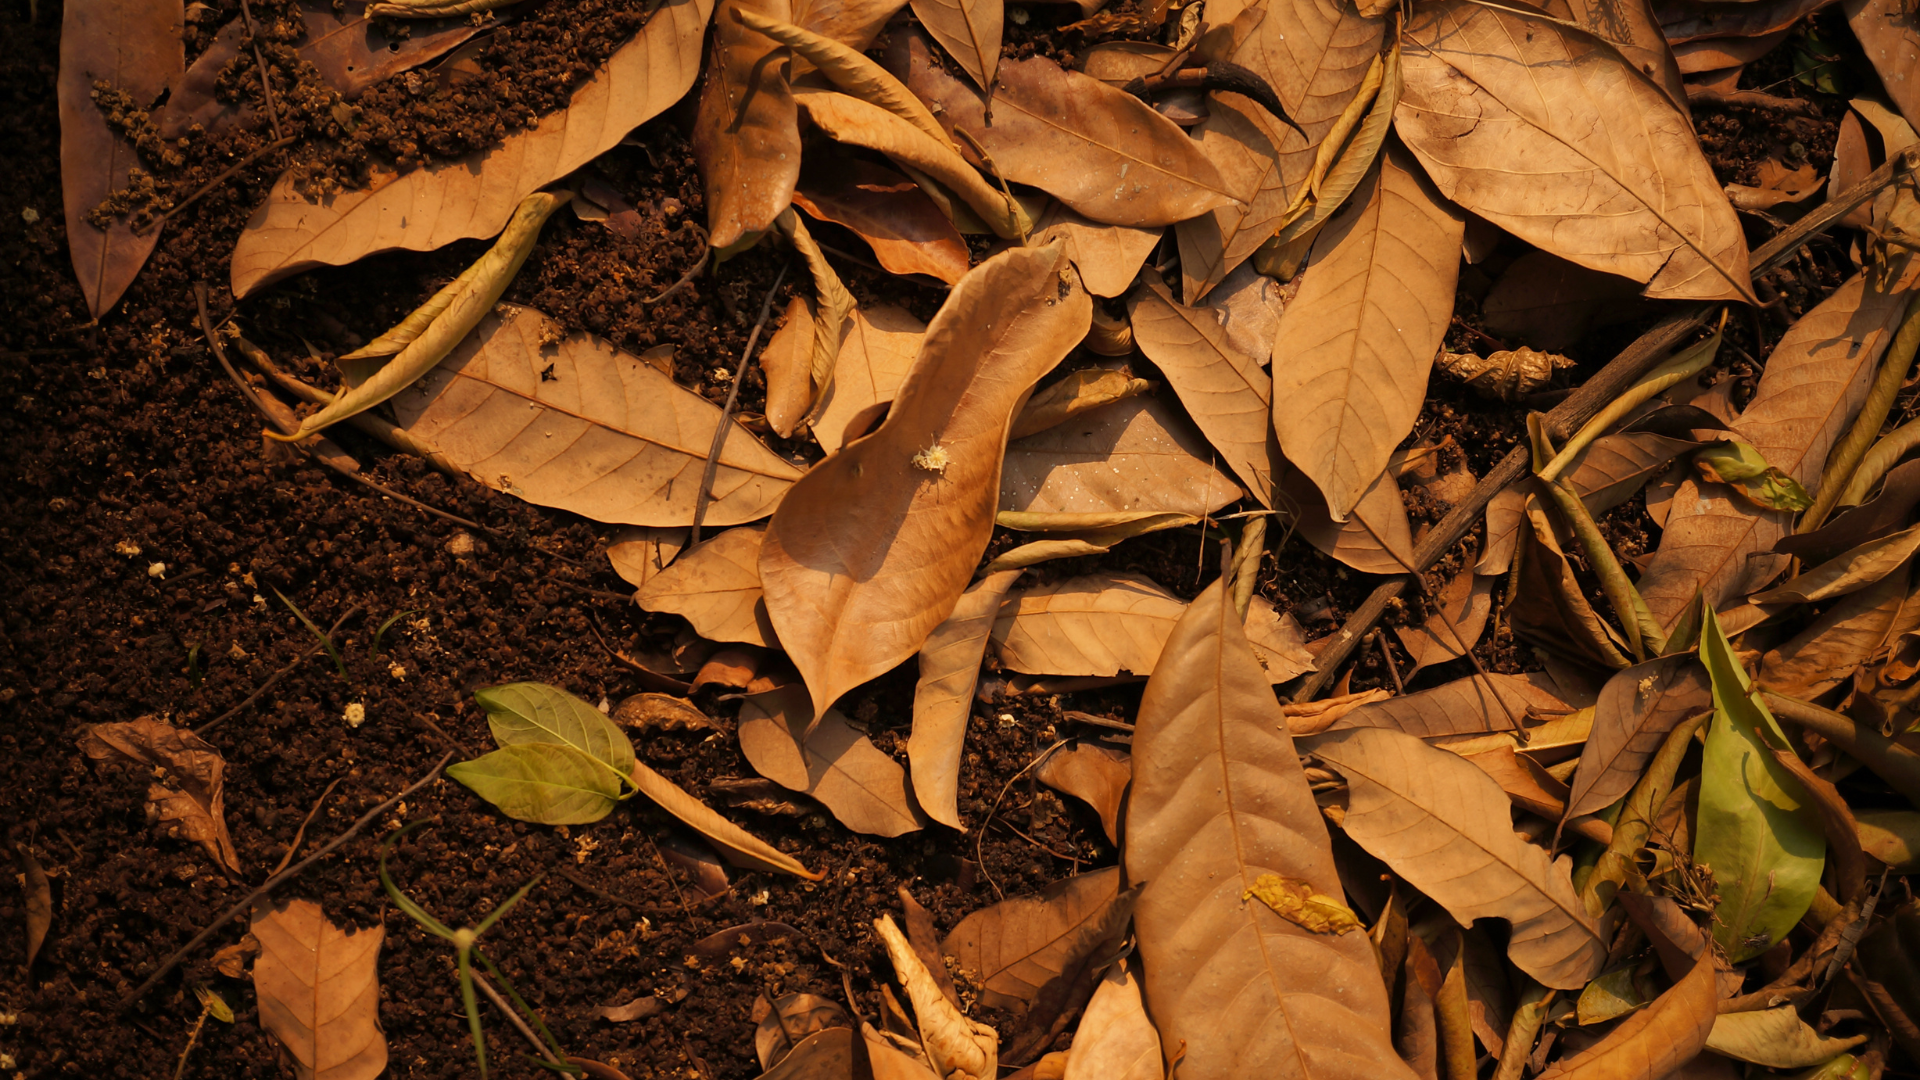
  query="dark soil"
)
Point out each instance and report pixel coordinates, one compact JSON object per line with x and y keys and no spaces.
{"x":126,"y":435}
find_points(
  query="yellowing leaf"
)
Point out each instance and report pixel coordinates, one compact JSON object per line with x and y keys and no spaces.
{"x":1776,"y":1038}
{"x":545,"y":783}
{"x":525,"y":713}
{"x":1297,"y":902}
{"x":319,"y":991}
{"x":1741,"y":466}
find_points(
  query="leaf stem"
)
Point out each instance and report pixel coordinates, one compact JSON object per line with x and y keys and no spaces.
{"x":1836,"y":480}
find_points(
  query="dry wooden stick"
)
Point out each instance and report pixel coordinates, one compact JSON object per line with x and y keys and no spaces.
{"x":277,"y":144}
{"x":276,"y":881}
{"x":266,"y":81}
{"x":1648,"y":350}
{"x":704,"y":494}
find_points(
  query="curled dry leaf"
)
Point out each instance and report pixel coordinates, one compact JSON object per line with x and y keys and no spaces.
{"x":1116,"y":1039}
{"x":1134,"y":455}
{"x":1840,"y":639}
{"x":638,"y":1009}
{"x":943,"y":697}
{"x":1775,"y":1038}
{"x":1297,"y":902}
{"x":1653,"y":1042}
{"x":960,"y":1048}
{"x":1079,"y":392}
{"x":1096,"y":775}
{"x":1552,"y":135}
{"x":865,"y":788}
{"x":1848,"y":572}
{"x":746,"y":135}
{"x":716,"y":587}
{"x":1219,"y":799}
{"x":735,"y":844}
{"x":319,"y":991}
{"x":1222,"y":387}
{"x":1636,"y":709}
{"x":1100,"y":150}
{"x":1444,"y":825}
{"x":135,"y":49}
{"x":1357,"y":342}
{"x":1508,"y":375}
{"x":582,"y":426}
{"x":908,"y":233}
{"x":474,"y":196}
{"x":789,"y":1021}
{"x":1375,"y":538}
{"x":1108,"y":257}
{"x":187,"y":797}
{"x":849,"y":608}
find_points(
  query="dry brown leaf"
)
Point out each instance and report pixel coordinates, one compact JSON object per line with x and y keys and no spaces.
{"x":1826,"y":653}
{"x":1552,"y":135}
{"x":1613,"y":468}
{"x":908,"y":233}
{"x":853,"y":23}
{"x":1527,"y":783}
{"x":1224,"y":389}
{"x":943,"y":698}
{"x":716,"y":587}
{"x":787,"y":363}
{"x":1848,"y":572}
{"x":1551,"y":303}
{"x":970,"y":32}
{"x":849,"y":608}
{"x":1315,"y":55}
{"x":1314,"y":717}
{"x":1552,"y":609}
{"x":37,"y":900}
{"x":1105,"y":624}
{"x":135,"y":49}
{"x":836,"y":764}
{"x":1462,"y":707}
{"x":187,"y":794}
{"x":1356,"y":344}
{"x":1219,"y":799}
{"x":1454,"y":627}
{"x":959,"y":1048}
{"x":1813,"y":383}
{"x":319,"y":991}
{"x":1115,"y":1040}
{"x":1134,"y":455}
{"x":1444,"y":825}
{"x":1079,"y":392}
{"x":1889,"y":33}
{"x":475,"y":195}
{"x":661,"y":712}
{"x":1636,"y":709}
{"x":1102,"y":151}
{"x":880,"y":346}
{"x":639,"y":1008}
{"x":746,"y":135}
{"x":792,"y":1018}
{"x":1506,"y":516}
{"x":582,"y":426}
{"x":735,"y":844}
{"x":1507,"y":375}
{"x":1093,"y":773}
{"x":1656,"y":1041}
{"x":1375,"y":538}
{"x":1244,"y":140}
{"x":1108,"y":256}
{"x":640,"y":552}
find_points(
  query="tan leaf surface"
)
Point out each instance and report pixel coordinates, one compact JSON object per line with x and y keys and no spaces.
{"x":958,"y":1047}
{"x":1355,"y":346}
{"x":187,"y":795}
{"x":1244,"y":140}
{"x":1615,"y":467}
{"x":1224,"y":390}
{"x":319,"y":991}
{"x":1314,"y":53}
{"x":1105,"y":624}
{"x":1889,"y":33}
{"x":853,"y":23}
{"x":746,"y":135}
{"x":735,"y":844}
{"x":605,"y":434}
{"x":1636,"y":709}
{"x":1079,"y":392}
{"x":787,"y":363}
{"x":880,"y":346}
{"x":970,"y":32}
{"x":1134,"y":455}
{"x":1454,"y":627}
{"x":1107,"y":256}
{"x":1093,"y":773}
{"x":1016,"y":949}
{"x":943,"y":698}
{"x":1826,"y":653}
{"x":1102,"y":151}
{"x":1219,"y":799}
{"x":135,"y":48}
{"x":1848,"y":572}
{"x":475,"y":195}
{"x":1813,"y":383}
{"x":870,"y":551}
{"x":1375,"y":538}
{"x":1551,"y":135}
{"x":716,"y":587}
{"x":1115,"y":1040}
{"x":908,"y":233}
{"x":1656,"y":1041}
{"x":639,"y":552}
{"x":1445,"y":826}
{"x":1461,"y":707}
{"x":865,"y":789}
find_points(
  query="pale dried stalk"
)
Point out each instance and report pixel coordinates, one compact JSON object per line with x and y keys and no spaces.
{"x":850,"y":70}
{"x":1635,"y":823}
{"x":1846,"y":458}
{"x":1658,"y":381}
{"x":960,"y":1049}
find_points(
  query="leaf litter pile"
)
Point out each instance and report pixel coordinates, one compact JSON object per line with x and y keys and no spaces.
{"x":950,"y":540}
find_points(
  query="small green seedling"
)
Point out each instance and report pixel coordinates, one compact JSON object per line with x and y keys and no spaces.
{"x":374,"y":649}
{"x":326,"y":642}
{"x":466,"y":943}
{"x":194,"y":675}
{"x":211,"y":1004}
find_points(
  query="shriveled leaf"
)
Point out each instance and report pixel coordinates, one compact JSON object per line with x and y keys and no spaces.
{"x":1105,"y":624}
{"x":37,"y":900}
{"x":1743,"y":469}
{"x":1776,"y":1038}
{"x":1551,"y":134}
{"x":319,"y":991}
{"x":735,"y":844}
{"x":474,"y":196}
{"x":1889,"y":34}
{"x":582,"y":426}
{"x":1223,"y":388}
{"x":1375,"y":538}
{"x":1116,"y":1039}
{"x":187,"y":796}
{"x":1079,"y":392}
{"x":640,"y":552}
{"x":960,"y":1048}
{"x":836,"y":764}
{"x":526,"y":713}
{"x":545,"y":783}
{"x":1134,"y":455}
{"x":1064,"y":542}
{"x":1356,"y":344}
{"x":880,"y":346}
{"x":637,"y":1009}
{"x":1656,"y":1041}
{"x":1108,"y":256}
{"x":943,"y":697}
{"x":1848,"y":572}
{"x":970,"y":32}
{"x":1756,"y":828}
{"x":1296,"y":901}
{"x":1096,"y":775}
{"x":908,"y":233}
{"x":848,"y":608}
{"x":1461,"y":707}
{"x":1219,"y":799}
{"x":134,"y":48}
{"x":1101,"y":151}
{"x":716,"y":587}
{"x":1636,"y":710}
{"x":1444,"y":825}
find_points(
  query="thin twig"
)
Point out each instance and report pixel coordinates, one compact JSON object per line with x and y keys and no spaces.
{"x":611,"y":898}
{"x":693,"y":271}
{"x":311,"y":652}
{"x":266,"y":81}
{"x":513,"y":1015}
{"x":979,"y":853}
{"x":1079,"y":717}
{"x":1393,"y":669}
{"x":302,"y":833}
{"x":278,"y":144}
{"x":276,"y":881}
{"x":704,"y":493}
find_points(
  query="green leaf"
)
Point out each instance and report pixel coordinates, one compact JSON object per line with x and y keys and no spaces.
{"x":545,"y":783}
{"x":525,"y":714}
{"x":1758,"y":830}
{"x":1609,"y":996}
{"x":1741,"y":466}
